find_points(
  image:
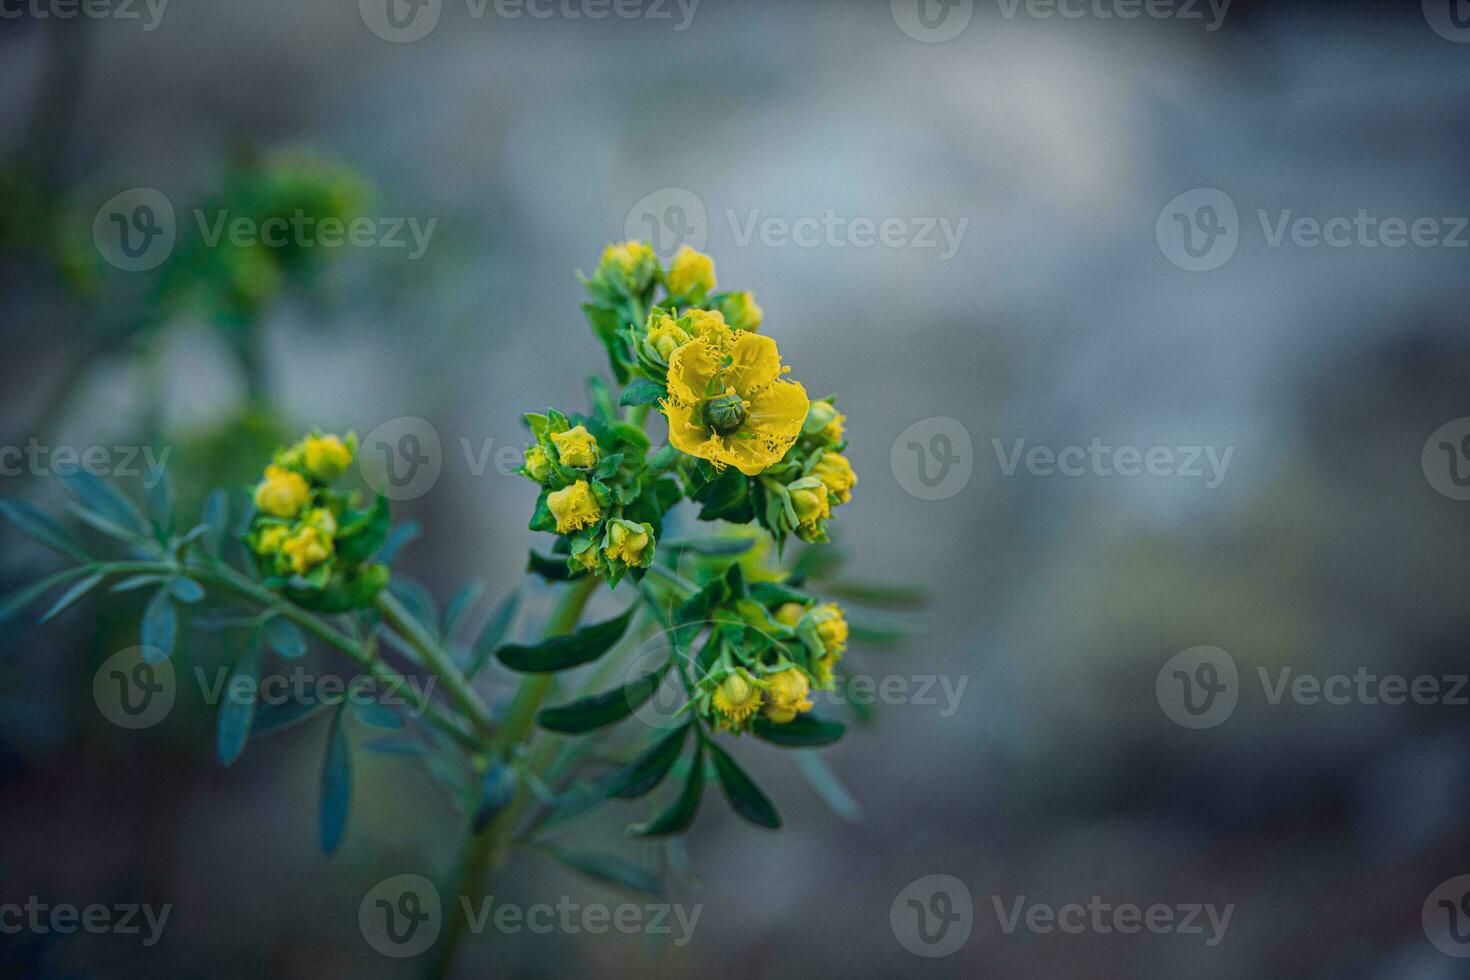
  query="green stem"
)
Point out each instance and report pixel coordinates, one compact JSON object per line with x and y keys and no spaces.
{"x":483,"y":853}
{"x":456,"y":685}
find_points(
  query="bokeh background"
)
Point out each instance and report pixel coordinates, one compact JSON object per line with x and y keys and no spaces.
{"x":1059,"y":318}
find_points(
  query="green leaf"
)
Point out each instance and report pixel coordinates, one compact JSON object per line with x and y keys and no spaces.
{"x":363,"y":538}
{"x":186,"y":589}
{"x":419,"y":603}
{"x":803,"y":731}
{"x":588,"y":714}
{"x":611,"y":870}
{"x":600,"y":398}
{"x":160,"y":627}
{"x":648,"y":770}
{"x":744,"y":795}
{"x":42,"y":527}
{"x":103,"y":499}
{"x":72,"y":595}
{"x":641,"y":391}
{"x":285,"y":638}
{"x":677,"y":818}
{"x":216,"y":518}
{"x":397,"y":539}
{"x":99,"y":523}
{"x":237,"y":712}
{"x":877,"y":594}
{"x":552,"y":568}
{"x":377,"y":715}
{"x":497,"y":790}
{"x":494,"y":633}
{"x":271,"y":718}
{"x":462,"y":602}
{"x":137,"y":582}
{"x":160,"y":498}
{"x":20,"y":599}
{"x":336,"y":787}
{"x":714,"y":547}
{"x":564,"y":652}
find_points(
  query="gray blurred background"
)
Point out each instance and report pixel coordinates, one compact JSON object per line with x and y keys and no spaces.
{"x":1062,"y":316}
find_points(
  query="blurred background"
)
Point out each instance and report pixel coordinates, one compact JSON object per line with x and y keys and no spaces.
{"x":1090,"y":236}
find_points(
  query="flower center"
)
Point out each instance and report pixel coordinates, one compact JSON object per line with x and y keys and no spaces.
{"x":724,"y":413}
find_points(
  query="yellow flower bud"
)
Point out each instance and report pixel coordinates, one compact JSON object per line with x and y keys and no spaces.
{"x":830,"y":626}
{"x":741,"y":311}
{"x":326,"y":457}
{"x":824,"y":422}
{"x":628,"y":543}
{"x":809,"y":499}
{"x":789,"y":614}
{"x":538,"y":464}
{"x":323,"y":520}
{"x":665,"y":335}
{"x":786,"y":695}
{"x":306,"y":548}
{"x":268,"y":539}
{"x":283,"y":492}
{"x":576,"y":447}
{"x":574,"y":507}
{"x":624,"y":257}
{"x":736,"y":699}
{"x":691,"y":274}
{"x":587,"y":559}
{"x":836,"y":473}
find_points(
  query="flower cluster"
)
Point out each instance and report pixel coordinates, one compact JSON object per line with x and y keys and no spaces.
{"x":311,"y":540}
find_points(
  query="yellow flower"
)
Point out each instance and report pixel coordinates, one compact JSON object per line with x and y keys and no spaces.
{"x":282,"y":493}
{"x":576,"y":447}
{"x":830,"y":627}
{"x":665,"y":335}
{"x":268,"y":539}
{"x":741,"y":311}
{"x":574,"y":507}
{"x":306,"y":548}
{"x":326,"y":457}
{"x":837,"y":475}
{"x":709,"y":326}
{"x":628,"y":543}
{"x":323,"y":520}
{"x":787,"y":695}
{"x":625,"y":256}
{"x":538,"y":464}
{"x":789,"y":614}
{"x":587,"y":559}
{"x":732,"y":408}
{"x":691,"y":274}
{"x":813,"y":508}
{"x":737,"y":698}
{"x":825,"y":422}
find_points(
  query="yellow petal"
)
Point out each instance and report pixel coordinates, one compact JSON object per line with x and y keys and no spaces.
{"x":777,"y":413}
{"x":685,"y":433}
{"x":691,"y":368}
{"x":754,"y":363}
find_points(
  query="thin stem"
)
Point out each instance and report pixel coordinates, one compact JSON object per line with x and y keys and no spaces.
{"x":437,"y":660}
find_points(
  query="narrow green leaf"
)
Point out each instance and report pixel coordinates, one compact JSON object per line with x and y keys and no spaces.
{"x":237,"y":711}
{"x":643,"y":392}
{"x":99,"y":523}
{"x":648,"y":770}
{"x":395,"y":745}
{"x":377,"y":715}
{"x":336,"y":787}
{"x":137,"y":582}
{"x":744,"y":795}
{"x":186,"y":589}
{"x":419,"y":603}
{"x":103,"y":499}
{"x":398,"y":538}
{"x":160,"y":500}
{"x":160,"y":627}
{"x":216,"y":518}
{"x":366,"y":536}
{"x":677,"y":818}
{"x":552,"y":568}
{"x":273,"y":717}
{"x":285,"y":638}
{"x":20,"y":599}
{"x":803,"y":731}
{"x":42,"y":527}
{"x":715,"y":547}
{"x":497,"y":790}
{"x":462,"y":602}
{"x":71,"y":596}
{"x":601,"y":710}
{"x":611,"y":870}
{"x":563,"y":652}
{"x":493,"y":634}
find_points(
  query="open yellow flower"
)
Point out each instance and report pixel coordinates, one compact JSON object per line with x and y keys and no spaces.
{"x":574,"y":507}
{"x":282,"y":493}
{"x":576,"y":447}
{"x":787,"y":695}
{"x":732,"y":408}
{"x":736,"y":699}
